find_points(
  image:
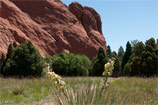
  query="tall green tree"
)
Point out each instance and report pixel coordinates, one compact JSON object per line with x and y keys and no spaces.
{"x":108,"y":51}
{"x":100,"y":61}
{"x":136,"y":59}
{"x":126,"y":55}
{"x":144,"y":59}
{"x":26,"y":61}
{"x":117,"y":67}
{"x":2,"y":61}
{"x":150,"y":58}
{"x":133,"y":44}
{"x":10,"y":51}
{"x":120,"y":52}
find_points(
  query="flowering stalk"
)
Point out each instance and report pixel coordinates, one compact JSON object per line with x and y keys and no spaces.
{"x":58,"y":83}
{"x":108,"y":70}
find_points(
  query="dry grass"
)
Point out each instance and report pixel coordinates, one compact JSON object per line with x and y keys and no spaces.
{"x":140,"y":91}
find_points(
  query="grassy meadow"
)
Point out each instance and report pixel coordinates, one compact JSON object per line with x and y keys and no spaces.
{"x":121,"y":91}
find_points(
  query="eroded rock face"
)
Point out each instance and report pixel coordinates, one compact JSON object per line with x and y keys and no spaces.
{"x":89,"y":18}
{"x":51,"y":26}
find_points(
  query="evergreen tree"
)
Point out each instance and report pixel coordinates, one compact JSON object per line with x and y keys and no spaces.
{"x":108,"y":51}
{"x":26,"y":61}
{"x":10,"y":51}
{"x":136,"y":59}
{"x":133,"y":44}
{"x":144,"y":59}
{"x":116,"y":71}
{"x":150,"y":58}
{"x":2,"y":61}
{"x":2,"y":58}
{"x":126,"y":55}
{"x":127,"y":69}
{"x":120,"y":52}
{"x":98,"y":67}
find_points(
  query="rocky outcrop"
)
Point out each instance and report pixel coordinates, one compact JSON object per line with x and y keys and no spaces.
{"x":89,"y":18}
{"x":51,"y":26}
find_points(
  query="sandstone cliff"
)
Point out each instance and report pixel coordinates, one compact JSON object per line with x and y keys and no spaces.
{"x":51,"y":26}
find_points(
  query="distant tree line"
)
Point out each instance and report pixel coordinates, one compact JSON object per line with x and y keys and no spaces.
{"x":139,"y":59}
{"x":143,"y":60}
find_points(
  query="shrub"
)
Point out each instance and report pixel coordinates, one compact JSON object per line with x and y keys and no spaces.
{"x":69,"y":64}
{"x":26,"y":61}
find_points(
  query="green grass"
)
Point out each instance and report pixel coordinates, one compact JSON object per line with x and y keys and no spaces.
{"x":140,"y":91}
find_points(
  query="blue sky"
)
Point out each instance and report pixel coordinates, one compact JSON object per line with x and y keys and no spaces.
{"x":125,"y":20}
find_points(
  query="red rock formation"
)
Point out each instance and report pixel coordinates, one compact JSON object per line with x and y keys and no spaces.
{"x":51,"y":26}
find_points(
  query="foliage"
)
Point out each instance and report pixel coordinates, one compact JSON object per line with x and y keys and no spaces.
{"x":133,"y":44}
{"x":136,"y":59}
{"x":65,"y":97}
{"x":127,"y":69}
{"x":120,"y":53}
{"x":69,"y":64}
{"x":150,"y":58}
{"x":2,"y":58}
{"x":127,"y":55}
{"x":2,"y":61}
{"x":89,"y":95}
{"x":10,"y":51}
{"x":93,"y":62}
{"x":26,"y":61}
{"x":144,"y":59}
{"x":117,"y":66}
{"x":108,"y":51}
{"x":98,"y":63}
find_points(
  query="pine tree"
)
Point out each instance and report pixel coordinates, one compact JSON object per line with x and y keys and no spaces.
{"x":2,"y":62}
{"x":127,"y":55}
{"x":108,"y":51}
{"x":144,"y":59}
{"x":25,"y":61}
{"x":116,"y":71}
{"x":98,"y":67}
{"x":150,"y":58}
{"x":10,"y":51}
{"x":136,"y":59}
{"x":133,"y":44}
{"x":120,"y":52}
{"x":2,"y":58}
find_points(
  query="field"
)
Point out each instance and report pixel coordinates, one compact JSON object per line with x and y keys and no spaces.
{"x":121,"y":91}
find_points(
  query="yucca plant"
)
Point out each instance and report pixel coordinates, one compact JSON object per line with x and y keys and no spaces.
{"x":91,"y":94}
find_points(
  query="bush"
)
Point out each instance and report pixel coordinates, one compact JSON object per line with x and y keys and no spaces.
{"x":69,"y":64}
{"x":26,"y":61}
